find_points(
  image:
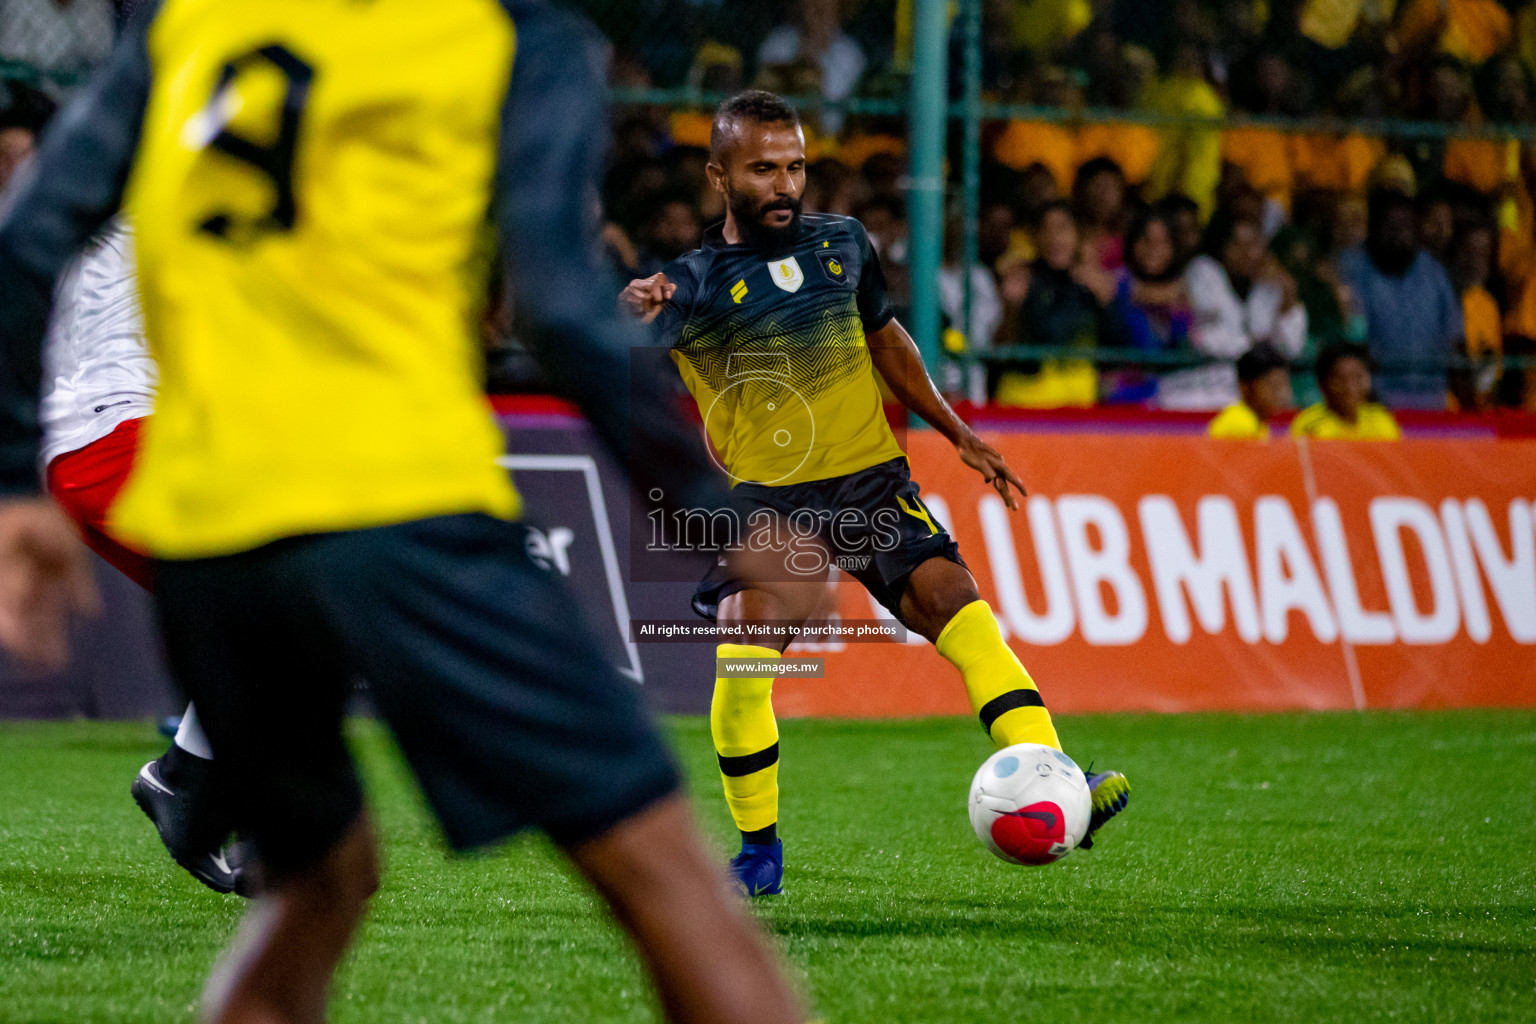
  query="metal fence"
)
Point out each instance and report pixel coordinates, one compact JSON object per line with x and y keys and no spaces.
{"x":934,"y":69}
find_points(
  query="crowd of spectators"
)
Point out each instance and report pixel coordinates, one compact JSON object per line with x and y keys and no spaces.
{"x":1284,"y":226}
{"x":1184,"y":243}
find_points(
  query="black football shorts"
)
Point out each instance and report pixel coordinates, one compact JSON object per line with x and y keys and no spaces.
{"x":874,"y":524}
{"x":479,"y":661}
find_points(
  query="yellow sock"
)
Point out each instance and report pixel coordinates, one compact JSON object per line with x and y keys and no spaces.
{"x":1004,"y":697}
{"x":746,"y":739}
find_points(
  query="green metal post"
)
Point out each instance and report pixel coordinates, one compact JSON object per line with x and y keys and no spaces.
{"x":925,"y":190}
{"x":971,"y":180}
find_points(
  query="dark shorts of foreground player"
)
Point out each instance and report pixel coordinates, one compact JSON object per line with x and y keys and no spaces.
{"x":479,"y":661}
{"x":874,"y":524}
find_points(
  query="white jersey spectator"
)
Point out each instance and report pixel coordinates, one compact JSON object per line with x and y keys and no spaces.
{"x":97,"y":367}
{"x":818,"y":39}
{"x":1239,"y":299}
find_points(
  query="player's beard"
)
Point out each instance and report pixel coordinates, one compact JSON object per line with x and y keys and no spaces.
{"x":749,"y":215}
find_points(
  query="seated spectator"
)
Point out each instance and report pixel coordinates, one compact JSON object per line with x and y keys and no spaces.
{"x":818,"y":38}
{"x":1183,"y":215}
{"x":1150,"y":311}
{"x":1046,"y":303}
{"x":994,"y":234}
{"x":1317,"y":284}
{"x":1034,"y":190}
{"x":1264,"y":382}
{"x":1241,"y":296}
{"x":673,"y":228}
{"x":1471,"y":264}
{"x":1413,"y":320}
{"x":1346,"y":412}
{"x":986,"y":307}
{"x":1098,"y":198}
{"x":884,"y":174}
{"x":1189,"y":156}
{"x":1151,"y":304}
{"x":885,"y":221}
{"x":1348,"y":225}
{"x":831,"y":187}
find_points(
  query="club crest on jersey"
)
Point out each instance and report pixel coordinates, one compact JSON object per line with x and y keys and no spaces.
{"x":786,"y":274}
{"x":832,"y":266}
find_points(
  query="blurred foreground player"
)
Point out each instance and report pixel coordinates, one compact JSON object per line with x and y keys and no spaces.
{"x":308,"y":185}
{"x":100,"y":384}
{"x":779,"y":325}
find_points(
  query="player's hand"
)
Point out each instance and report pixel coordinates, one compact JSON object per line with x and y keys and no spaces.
{"x":644,"y":296}
{"x":983,"y":458}
{"x":45,"y":577}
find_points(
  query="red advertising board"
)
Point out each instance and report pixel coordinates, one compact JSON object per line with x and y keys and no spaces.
{"x":1179,"y":573}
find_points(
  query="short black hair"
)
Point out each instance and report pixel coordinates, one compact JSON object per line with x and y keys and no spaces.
{"x":756,"y":105}
{"x":1261,"y":359}
{"x":1335,"y":353}
{"x":1094,"y":167}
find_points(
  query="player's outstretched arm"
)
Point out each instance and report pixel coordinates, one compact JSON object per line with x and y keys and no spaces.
{"x":895,"y":355}
{"x":645,"y":297}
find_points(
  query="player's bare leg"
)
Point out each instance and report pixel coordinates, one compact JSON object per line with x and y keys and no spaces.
{"x":941,"y":603}
{"x":279,"y":968}
{"x":707,"y":960}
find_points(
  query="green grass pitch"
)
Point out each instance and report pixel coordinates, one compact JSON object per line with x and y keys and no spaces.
{"x":1325,"y":867}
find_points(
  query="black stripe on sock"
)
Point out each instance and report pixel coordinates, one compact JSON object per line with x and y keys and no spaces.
{"x":746,"y":764}
{"x":1000,"y":705}
{"x":763,"y":836}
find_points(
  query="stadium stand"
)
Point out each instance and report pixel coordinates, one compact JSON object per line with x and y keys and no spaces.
{"x":1152,"y":127}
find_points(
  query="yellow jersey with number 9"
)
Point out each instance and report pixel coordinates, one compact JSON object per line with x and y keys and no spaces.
{"x":310,"y":195}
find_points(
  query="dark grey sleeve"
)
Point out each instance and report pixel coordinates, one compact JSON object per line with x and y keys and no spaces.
{"x":554,"y":127}
{"x":667,"y":328}
{"x":70,"y":188}
{"x":874,"y":300}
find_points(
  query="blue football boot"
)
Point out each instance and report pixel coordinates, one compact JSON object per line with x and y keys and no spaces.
{"x":1110,"y":792}
{"x":759,"y":868}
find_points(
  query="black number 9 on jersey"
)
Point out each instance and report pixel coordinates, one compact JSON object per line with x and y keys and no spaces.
{"x":275,"y":159}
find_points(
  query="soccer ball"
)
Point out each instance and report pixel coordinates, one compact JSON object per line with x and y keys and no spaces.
{"x":1030,"y":804}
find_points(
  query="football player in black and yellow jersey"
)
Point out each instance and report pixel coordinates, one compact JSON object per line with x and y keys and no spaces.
{"x":778,"y":325}
{"x":311,"y":182}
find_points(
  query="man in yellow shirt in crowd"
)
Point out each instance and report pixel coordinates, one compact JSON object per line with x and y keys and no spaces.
{"x":1346,"y":412}
{"x":1264,"y":381}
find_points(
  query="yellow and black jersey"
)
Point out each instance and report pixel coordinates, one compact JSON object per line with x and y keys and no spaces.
{"x":1373,"y":422}
{"x":315,"y":185}
{"x":772,"y":347}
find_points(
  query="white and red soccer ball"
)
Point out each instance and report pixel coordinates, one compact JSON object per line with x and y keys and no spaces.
{"x":1030,"y":804}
